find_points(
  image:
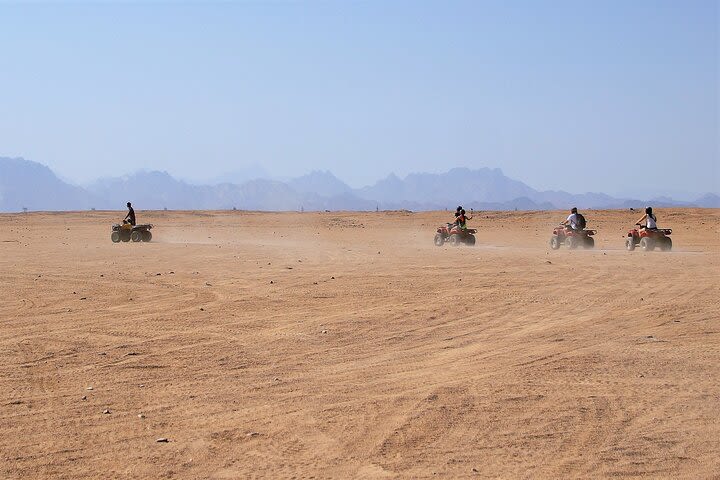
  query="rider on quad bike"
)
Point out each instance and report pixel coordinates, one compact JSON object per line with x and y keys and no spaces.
{"x":461,"y":219}
{"x":648,"y":236}
{"x":572,"y":233}
{"x":650,"y":220}
{"x":129,"y":230}
{"x":457,"y":213}
{"x":130,"y":217}
{"x":575,"y":220}
{"x":457,"y":232}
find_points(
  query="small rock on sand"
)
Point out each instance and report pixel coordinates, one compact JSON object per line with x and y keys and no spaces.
{"x":162,"y":440}
{"x":106,"y":412}
{"x":89,"y":388}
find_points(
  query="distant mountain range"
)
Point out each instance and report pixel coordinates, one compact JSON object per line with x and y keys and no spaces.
{"x":33,"y":186}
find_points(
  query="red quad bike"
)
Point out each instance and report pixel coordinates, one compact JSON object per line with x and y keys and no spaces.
{"x":572,"y":238}
{"x":454,"y":235}
{"x":647,"y":240}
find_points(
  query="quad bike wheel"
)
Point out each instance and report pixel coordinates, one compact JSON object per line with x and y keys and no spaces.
{"x":439,"y":240}
{"x":115,"y":237}
{"x":647,"y":244}
{"x":146,"y":236}
{"x":571,"y":243}
{"x":630,"y":244}
{"x":470,"y":240}
{"x":136,"y":236}
{"x":666,"y":244}
{"x":454,"y":240}
{"x":554,"y":242}
{"x":589,"y":243}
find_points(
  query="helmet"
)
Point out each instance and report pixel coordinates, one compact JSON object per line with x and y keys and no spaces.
{"x":458,"y":208}
{"x":128,"y":204}
{"x":648,"y":210}
{"x":574,"y":210}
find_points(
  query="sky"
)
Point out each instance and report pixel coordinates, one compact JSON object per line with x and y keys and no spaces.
{"x":613,"y":96}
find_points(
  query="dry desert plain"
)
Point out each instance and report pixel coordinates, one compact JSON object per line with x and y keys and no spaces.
{"x":346,"y":345}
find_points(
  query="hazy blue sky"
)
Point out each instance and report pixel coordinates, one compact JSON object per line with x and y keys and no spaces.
{"x":607,"y":96}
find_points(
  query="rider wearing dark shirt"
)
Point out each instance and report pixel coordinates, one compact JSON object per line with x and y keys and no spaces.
{"x":130,"y":217}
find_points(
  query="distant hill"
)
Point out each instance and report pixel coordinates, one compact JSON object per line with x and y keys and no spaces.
{"x":238,"y":176}
{"x":320,"y":183}
{"x":158,"y":190}
{"x":482,"y":185}
{"x":153,"y":190}
{"x":485,"y":189}
{"x":584,"y":200}
{"x":31,"y":185}
{"x":709,"y":200}
{"x":267,"y":195}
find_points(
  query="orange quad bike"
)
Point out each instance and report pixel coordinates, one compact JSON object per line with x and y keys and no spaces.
{"x":648,"y":239}
{"x":454,"y":235}
{"x":572,"y":239}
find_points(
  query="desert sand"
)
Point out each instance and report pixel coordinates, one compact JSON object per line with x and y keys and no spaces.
{"x":346,"y":345}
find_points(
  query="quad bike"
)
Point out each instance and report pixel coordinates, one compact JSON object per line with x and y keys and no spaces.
{"x":454,"y":235}
{"x":125,"y":232}
{"x":647,"y":240}
{"x":572,"y":239}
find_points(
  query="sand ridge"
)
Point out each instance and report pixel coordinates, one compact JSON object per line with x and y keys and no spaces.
{"x":346,"y":345}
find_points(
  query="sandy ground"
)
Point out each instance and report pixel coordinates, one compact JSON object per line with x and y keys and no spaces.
{"x":345,"y":345}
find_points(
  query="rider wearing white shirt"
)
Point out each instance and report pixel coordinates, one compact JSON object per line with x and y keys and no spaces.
{"x":650,"y":220}
{"x":572,"y":219}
